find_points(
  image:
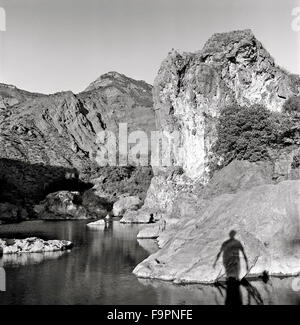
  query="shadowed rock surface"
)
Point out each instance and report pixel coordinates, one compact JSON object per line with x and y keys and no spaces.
{"x":61,"y":205}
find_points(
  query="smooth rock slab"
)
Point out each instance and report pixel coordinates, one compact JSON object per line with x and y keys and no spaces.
{"x":33,"y":245}
{"x":152,"y":231}
{"x":267,"y":221}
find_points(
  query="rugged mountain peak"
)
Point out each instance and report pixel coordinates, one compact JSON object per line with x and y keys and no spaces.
{"x":44,"y":137}
{"x":192,"y":88}
{"x":116,"y":79}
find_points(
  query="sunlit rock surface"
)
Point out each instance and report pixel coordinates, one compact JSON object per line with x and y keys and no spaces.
{"x":99,"y":224}
{"x":33,"y":245}
{"x":126,"y":203}
{"x":267,"y":221}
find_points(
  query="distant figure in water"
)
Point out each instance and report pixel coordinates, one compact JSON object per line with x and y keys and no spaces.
{"x":231,"y":256}
{"x":151,"y":220}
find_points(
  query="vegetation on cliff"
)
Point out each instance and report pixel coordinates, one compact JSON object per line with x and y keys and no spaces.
{"x":250,"y":133}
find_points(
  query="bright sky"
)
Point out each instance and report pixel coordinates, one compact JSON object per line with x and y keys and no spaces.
{"x":54,"y":45}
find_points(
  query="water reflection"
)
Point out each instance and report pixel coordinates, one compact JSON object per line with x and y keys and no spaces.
{"x":232,"y":291}
{"x":29,"y":258}
{"x":276,"y":292}
{"x":98,"y":270}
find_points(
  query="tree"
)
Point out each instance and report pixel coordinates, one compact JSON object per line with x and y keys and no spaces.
{"x":245,"y":133}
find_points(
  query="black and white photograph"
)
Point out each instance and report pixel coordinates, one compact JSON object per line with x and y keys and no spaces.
{"x":149,"y":155}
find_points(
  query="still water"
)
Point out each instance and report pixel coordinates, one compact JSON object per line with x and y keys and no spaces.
{"x":98,"y":270}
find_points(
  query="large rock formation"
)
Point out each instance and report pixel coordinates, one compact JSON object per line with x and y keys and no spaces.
{"x":49,"y":142}
{"x":192,"y":88}
{"x":267,"y":221}
{"x":259,"y":200}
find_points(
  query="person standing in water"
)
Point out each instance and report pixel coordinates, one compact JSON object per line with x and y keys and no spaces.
{"x":231,"y":249}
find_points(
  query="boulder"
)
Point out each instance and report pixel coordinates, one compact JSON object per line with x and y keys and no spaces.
{"x":126,"y":203}
{"x":140,"y":216}
{"x":97,"y":224}
{"x":266,"y":219}
{"x":33,"y":245}
{"x":96,"y":206}
{"x":60,"y":206}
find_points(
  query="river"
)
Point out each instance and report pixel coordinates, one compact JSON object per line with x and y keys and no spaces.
{"x":98,"y":270}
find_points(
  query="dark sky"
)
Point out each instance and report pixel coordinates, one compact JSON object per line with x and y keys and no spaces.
{"x":54,"y":45}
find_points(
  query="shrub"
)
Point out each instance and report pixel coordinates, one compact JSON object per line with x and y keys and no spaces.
{"x":245,"y":133}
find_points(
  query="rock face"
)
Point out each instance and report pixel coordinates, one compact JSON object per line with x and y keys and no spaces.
{"x":33,"y":245}
{"x":192,"y":88}
{"x":49,"y":142}
{"x":61,"y":205}
{"x":11,"y":95}
{"x":258,"y":200}
{"x":119,"y":99}
{"x":267,"y":221}
{"x":126,"y":203}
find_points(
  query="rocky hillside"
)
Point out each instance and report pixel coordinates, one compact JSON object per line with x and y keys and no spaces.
{"x":259,"y":199}
{"x":48,"y":140}
{"x":11,"y":95}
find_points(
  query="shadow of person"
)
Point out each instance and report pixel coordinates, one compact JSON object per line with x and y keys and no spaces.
{"x":231,"y":249}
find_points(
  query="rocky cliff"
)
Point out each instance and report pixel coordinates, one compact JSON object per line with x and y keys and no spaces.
{"x":260,"y":200}
{"x":47,"y":141}
{"x":191,"y":89}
